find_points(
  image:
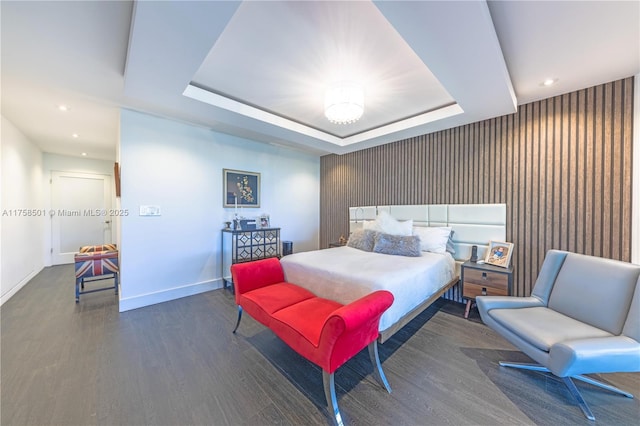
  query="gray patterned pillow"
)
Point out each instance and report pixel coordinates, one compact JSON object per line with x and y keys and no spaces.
{"x":397,"y":245}
{"x":362,"y":239}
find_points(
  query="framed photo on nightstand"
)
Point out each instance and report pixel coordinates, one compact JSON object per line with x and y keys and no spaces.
{"x":499,"y":254}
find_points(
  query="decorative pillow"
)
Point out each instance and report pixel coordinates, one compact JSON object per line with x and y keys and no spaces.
{"x":433,"y":239}
{"x":362,"y":239}
{"x":450,"y":247}
{"x":399,"y":245}
{"x":387,"y":224}
{"x":370,"y":224}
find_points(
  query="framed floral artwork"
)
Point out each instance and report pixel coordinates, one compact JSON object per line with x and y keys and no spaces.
{"x":499,"y":254}
{"x":240,"y":189}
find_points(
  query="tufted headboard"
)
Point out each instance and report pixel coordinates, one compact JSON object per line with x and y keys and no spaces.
{"x":473,"y":224}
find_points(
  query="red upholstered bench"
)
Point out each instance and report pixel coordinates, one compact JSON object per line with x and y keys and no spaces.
{"x":325,"y":332}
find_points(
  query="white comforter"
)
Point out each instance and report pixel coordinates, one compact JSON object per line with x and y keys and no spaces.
{"x":345,"y":274}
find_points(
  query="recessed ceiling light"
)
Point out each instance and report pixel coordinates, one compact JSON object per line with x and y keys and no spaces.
{"x":549,"y":81}
{"x":63,"y":107}
{"x":75,"y":135}
{"x":84,"y":154}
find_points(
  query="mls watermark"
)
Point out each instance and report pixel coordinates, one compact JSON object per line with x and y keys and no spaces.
{"x":64,"y":212}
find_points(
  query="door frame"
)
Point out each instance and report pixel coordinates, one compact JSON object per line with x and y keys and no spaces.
{"x":66,"y":258}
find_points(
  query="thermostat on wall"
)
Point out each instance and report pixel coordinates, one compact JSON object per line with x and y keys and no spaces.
{"x":149,"y":210}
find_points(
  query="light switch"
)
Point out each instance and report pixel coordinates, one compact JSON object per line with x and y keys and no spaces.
{"x":149,"y":210}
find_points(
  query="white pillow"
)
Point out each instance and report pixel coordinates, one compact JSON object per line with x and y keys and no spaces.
{"x":386,"y":224}
{"x":370,"y":224}
{"x":433,"y":239}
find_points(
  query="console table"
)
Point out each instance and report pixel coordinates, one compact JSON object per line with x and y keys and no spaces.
{"x":246,"y":245}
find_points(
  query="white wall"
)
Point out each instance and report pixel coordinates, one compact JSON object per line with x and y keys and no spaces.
{"x":21,"y":235}
{"x":64,"y":163}
{"x":179,"y":168}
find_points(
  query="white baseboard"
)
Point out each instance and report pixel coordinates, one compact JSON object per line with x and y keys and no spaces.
{"x":8,"y":295}
{"x":129,"y":303}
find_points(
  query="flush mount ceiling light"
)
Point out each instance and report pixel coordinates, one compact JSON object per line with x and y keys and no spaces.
{"x":344,"y":102}
{"x":549,"y":82}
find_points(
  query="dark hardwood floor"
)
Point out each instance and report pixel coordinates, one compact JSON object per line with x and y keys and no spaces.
{"x":178,"y":363}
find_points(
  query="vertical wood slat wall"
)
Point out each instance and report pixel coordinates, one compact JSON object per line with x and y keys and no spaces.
{"x":562,"y":165}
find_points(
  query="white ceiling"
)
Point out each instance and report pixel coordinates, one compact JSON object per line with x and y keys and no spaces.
{"x":293,"y":72}
{"x":258,"y":69}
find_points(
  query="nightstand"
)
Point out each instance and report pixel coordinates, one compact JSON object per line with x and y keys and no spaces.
{"x":480,"y":279}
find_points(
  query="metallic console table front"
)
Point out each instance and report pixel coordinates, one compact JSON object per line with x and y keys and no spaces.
{"x":240,"y":246}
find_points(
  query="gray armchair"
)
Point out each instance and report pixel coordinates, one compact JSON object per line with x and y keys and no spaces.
{"x":582,"y":317}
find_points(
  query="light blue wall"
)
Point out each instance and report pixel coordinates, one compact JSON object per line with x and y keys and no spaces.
{"x":179,"y":168}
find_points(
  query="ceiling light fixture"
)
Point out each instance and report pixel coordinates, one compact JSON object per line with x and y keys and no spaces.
{"x":549,"y":81}
{"x":344,"y":102}
{"x":63,"y":108}
{"x":75,"y":136}
{"x":84,"y":154}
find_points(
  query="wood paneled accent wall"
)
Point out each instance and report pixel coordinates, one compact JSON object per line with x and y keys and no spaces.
{"x":562,"y":165}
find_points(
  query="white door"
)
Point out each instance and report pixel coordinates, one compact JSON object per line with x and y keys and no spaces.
{"x":80,"y":207}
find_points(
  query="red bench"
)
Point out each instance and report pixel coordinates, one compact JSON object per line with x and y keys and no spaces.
{"x":325,"y":332}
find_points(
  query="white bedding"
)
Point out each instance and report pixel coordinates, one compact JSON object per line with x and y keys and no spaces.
{"x":345,"y":274}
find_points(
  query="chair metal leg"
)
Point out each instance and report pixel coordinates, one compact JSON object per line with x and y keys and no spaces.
{"x":578,"y":396}
{"x":524,"y":366}
{"x":377,"y":368}
{"x":239,"y":318}
{"x":330,"y":395}
{"x":602,"y":385}
{"x":537,"y":367}
{"x":77,"y":290}
{"x":570,"y":385}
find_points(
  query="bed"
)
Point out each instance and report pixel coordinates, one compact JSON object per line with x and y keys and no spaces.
{"x":345,"y":274}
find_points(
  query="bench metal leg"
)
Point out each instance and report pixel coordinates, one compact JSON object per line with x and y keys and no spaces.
{"x":377,"y":368}
{"x":330,"y":387}
{"x":330,"y":395}
{"x":239,"y":318}
{"x":80,"y":284}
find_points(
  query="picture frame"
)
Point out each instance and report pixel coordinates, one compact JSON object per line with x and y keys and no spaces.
{"x":240,"y":188}
{"x":499,"y":254}
{"x":263,"y":221}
